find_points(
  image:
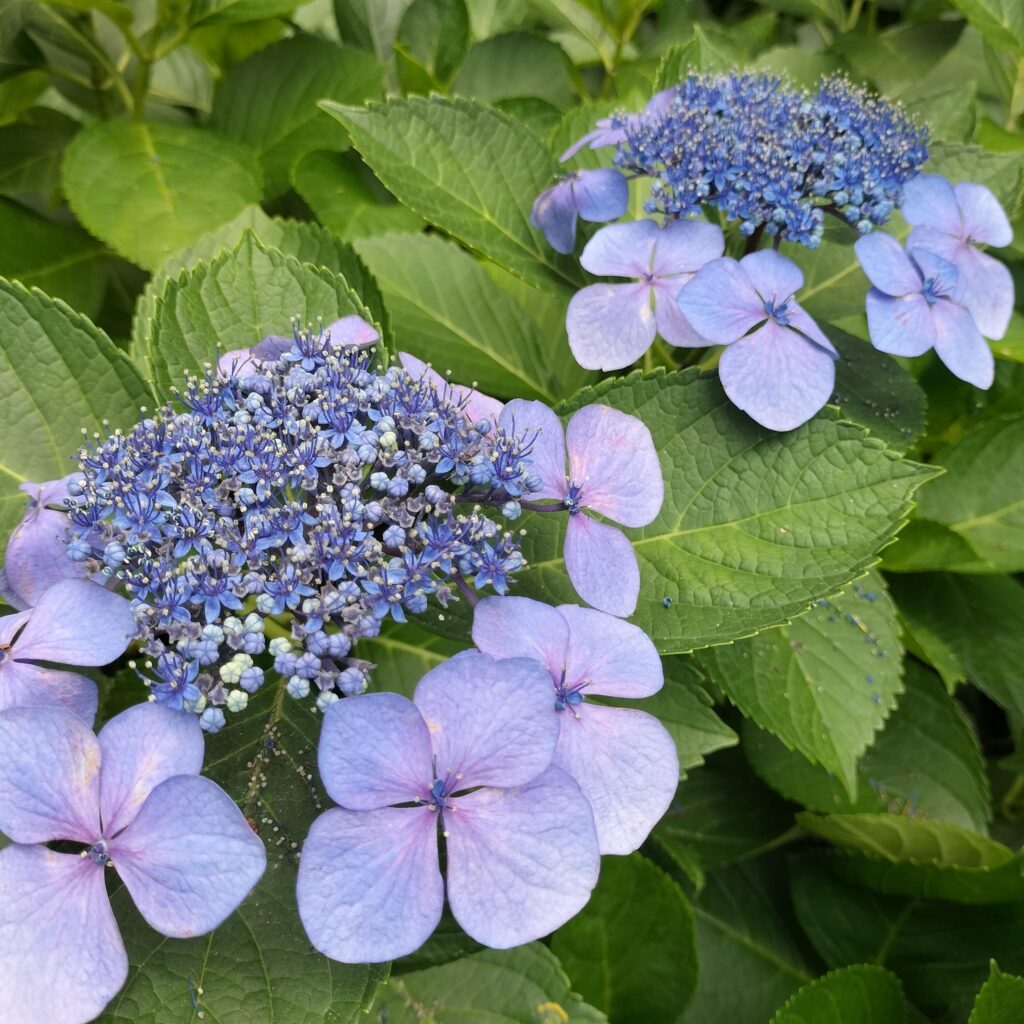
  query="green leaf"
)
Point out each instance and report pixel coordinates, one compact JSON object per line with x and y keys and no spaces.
{"x":370,"y":24}
{"x":31,"y":152}
{"x":516,"y":64}
{"x":235,"y":12}
{"x":755,"y":525}
{"x":234,"y":302}
{"x":269,"y":102}
{"x":1003,"y":173}
{"x":981,"y":494}
{"x":925,"y":544}
{"x":432,"y":42}
{"x":347,"y":199}
{"x":58,"y":375}
{"x":862,"y":994}
{"x":149,"y":190}
{"x":832,"y":11}
{"x":447,"y":311}
{"x":19,"y":92}
{"x":631,"y":951}
{"x":1001,"y":999}
{"x":872,"y":389}
{"x":183,"y":79}
{"x":59,"y":259}
{"x":586,"y":20}
{"x":525,"y":985}
{"x":468,"y":169}
{"x":1001,"y":22}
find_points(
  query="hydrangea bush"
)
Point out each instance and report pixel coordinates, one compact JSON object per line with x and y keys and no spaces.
{"x":511,"y":513}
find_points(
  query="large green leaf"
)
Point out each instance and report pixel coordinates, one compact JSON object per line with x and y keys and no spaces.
{"x":235,"y":301}
{"x":31,"y":152}
{"x":432,"y":41}
{"x":631,"y":950}
{"x":825,"y":683}
{"x":59,"y":374}
{"x":525,"y":985}
{"x":447,"y":311}
{"x":1003,"y":173}
{"x":1001,"y":22}
{"x":269,"y":101}
{"x":755,"y":525}
{"x":1000,"y":1001}
{"x":516,"y":64}
{"x":149,"y":190}
{"x":862,"y":994}
{"x":370,"y":24}
{"x":467,"y":169}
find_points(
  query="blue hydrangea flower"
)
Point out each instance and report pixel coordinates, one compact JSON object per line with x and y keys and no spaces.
{"x":133,"y":798}
{"x":75,"y":622}
{"x":624,"y":760}
{"x":778,"y":368}
{"x":613,"y":470}
{"x":612,"y":325}
{"x":472,"y":752}
{"x":951,"y":221}
{"x":918,"y":303}
{"x":596,"y":195}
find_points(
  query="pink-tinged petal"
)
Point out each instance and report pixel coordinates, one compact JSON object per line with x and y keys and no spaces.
{"x":239,"y":362}
{"x":610,"y":325}
{"x":960,"y":346}
{"x":31,"y":686}
{"x":77,"y":623}
{"x":49,"y":776}
{"x":886,"y":265}
{"x":984,"y":219}
{"x":37,"y":557}
{"x":930,"y":199}
{"x":61,"y":955}
{"x":521,"y":862}
{"x":671,"y":324}
{"x":189,"y":857}
{"x":141,"y":747}
{"x":10,"y":625}
{"x":271,"y":348}
{"x":720,"y":302}
{"x":936,"y":241}
{"x":900,"y":326}
{"x":602,"y":565}
{"x":777,"y":377}
{"x":518,"y":627}
{"x":616,"y":658}
{"x":800,"y":320}
{"x":554,"y":213}
{"x":537,"y":422}
{"x":369,"y":887}
{"x":988,"y":290}
{"x":489,"y":719}
{"x":775,"y":277}
{"x":621,"y":250}
{"x":352,"y":332}
{"x":626,"y":763}
{"x":600,"y":194}
{"x":476,"y":405}
{"x":613,"y":462}
{"x":684,"y":246}
{"x":375,"y":751}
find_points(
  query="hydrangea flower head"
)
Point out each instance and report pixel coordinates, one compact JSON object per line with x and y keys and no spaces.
{"x":596,"y":195}
{"x":778,"y":367}
{"x":951,"y":221}
{"x":471,"y":754}
{"x":133,"y":798}
{"x":604,"y":461}
{"x":918,"y":303}
{"x":612,"y":325}
{"x":624,"y":760}
{"x":74,"y":623}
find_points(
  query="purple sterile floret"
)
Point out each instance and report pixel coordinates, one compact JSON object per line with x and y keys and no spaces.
{"x":75,"y":622}
{"x":624,"y":760}
{"x":597,"y":195}
{"x":778,"y":368}
{"x":613,"y":470}
{"x":471,"y":754}
{"x":950,"y":221}
{"x":133,"y":798}
{"x":612,"y":325}
{"x":480,"y":408}
{"x":918,"y":303}
{"x":611,"y":131}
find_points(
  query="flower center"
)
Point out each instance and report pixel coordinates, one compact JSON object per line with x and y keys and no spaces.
{"x":97,"y":853}
{"x":572,"y":501}
{"x":779,"y":313}
{"x":568,"y":695}
{"x":5,"y":650}
{"x":932,"y":290}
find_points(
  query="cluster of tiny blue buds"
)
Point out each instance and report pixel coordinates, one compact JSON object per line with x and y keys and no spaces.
{"x":275,"y":519}
{"x":773,"y":157}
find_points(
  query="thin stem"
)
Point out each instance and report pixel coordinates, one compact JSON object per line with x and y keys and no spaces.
{"x":1011,"y":796}
{"x":854,"y":15}
{"x":662,"y":354}
{"x":471,"y":596}
{"x":1016,"y":106}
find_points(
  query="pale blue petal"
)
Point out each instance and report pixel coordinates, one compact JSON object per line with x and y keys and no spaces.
{"x":32,"y":686}
{"x":900,"y":326}
{"x":671,"y":324}
{"x":960,"y":346}
{"x":930,"y":199}
{"x":800,"y":321}
{"x":988,"y":290}
{"x":887,"y":266}
{"x":554,"y":213}
{"x":984,"y":220}
{"x":352,"y":332}
{"x":519,"y":627}
{"x":720,"y":302}
{"x":621,"y":250}
{"x":610,"y":325}
{"x":537,"y":422}
{"x":600,"y":194}
{"x":944,"y":276}
{"x":774,"y":277}
{"x":684,"y":246}
{"x":602,"y":565}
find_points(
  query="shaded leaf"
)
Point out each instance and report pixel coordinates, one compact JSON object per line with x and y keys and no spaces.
{"x":862,"y":994}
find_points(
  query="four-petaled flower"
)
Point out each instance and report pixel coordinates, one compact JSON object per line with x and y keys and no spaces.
{"x":612,"y":325}
{"x":624,"y":760}
{"x":134,"y":799}
{"x":597,"y":195}
{"x":75,"y":623}
{"x":950,"y":220}
{"x":778,"y":368}
{"x":613,"y":470}
{"x":917,"y":303}
{"x":472,"y":751}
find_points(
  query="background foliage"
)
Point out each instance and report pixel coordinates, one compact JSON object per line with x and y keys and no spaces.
{"x":180,"y":177}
